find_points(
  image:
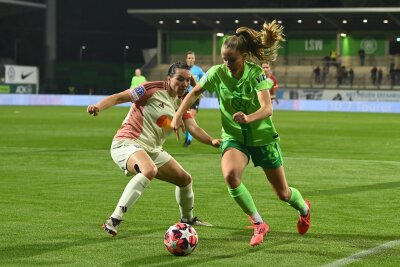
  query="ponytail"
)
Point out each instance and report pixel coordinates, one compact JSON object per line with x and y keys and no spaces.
{"x":262,"y":45}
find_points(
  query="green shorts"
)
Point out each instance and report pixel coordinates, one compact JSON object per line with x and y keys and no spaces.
{"x":267,"y":157}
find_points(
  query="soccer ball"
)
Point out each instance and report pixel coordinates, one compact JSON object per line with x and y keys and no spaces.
{"x":181,"y":239}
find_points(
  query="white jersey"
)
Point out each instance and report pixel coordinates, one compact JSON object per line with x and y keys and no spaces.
{"x":149,"y":120}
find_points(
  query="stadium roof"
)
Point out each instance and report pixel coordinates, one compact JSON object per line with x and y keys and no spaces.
{"x":11,"y":7}
{"x":316,"y":19}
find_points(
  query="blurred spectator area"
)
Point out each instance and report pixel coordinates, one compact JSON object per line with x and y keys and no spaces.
{"x":298,"y":71}
{"x":101,"y":59}
{"x":336,"y":35}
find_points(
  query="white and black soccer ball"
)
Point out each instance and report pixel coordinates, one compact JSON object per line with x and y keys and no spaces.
{"x":181,"y":239}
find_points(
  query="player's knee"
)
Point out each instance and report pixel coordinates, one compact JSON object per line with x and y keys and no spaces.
{"x":232,"y":179}
{"x":149,"y":171}
{"x":182,"y":180}
{"x":186,"y":179}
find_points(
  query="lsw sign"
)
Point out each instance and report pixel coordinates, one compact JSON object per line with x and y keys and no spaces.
{"x":314,"y":45}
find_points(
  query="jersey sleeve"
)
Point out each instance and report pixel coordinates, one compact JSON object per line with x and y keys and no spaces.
{"x":136,"y":93}
{"x":187,"y":115}
{"x":261,"y":81}
{"x":207,"y":81}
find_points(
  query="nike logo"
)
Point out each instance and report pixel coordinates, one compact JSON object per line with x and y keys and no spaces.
{"x":24,"y":76}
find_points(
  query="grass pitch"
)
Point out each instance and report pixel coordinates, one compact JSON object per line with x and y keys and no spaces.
{"x":59,"y":184}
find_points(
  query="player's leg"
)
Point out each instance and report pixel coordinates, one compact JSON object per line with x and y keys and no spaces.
{"x":273,"y":168}
{"x":290,"y":195}
{"x":140,"y":164}
{"x":135,"y":161}
{"x":172,"y":172}
{"x":234,"y":160}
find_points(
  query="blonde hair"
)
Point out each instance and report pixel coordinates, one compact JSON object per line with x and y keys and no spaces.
{"x":262,"y":45}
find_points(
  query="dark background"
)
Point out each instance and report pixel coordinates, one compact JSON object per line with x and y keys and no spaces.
{"x":104,"y":27}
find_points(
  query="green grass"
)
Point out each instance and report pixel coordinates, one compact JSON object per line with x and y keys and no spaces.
{"x":58,"y":184}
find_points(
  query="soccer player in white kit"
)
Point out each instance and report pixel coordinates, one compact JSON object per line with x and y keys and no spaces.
{"x":137,"y":145}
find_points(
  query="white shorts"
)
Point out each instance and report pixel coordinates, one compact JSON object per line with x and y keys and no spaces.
{"x":121,"y":150}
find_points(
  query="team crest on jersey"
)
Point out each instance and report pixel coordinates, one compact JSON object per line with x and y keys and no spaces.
{"x":137,"y":92}
{"x":261,"y":78}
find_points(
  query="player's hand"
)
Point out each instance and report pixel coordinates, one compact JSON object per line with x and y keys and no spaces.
{"x":216,"y":143}
{"x":176,"y":124}
{"x":240,"y":117}
{"x":93,"y":110}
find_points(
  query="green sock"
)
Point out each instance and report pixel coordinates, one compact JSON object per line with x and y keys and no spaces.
{"x":297,"y":201}
{"x":243,"y":198}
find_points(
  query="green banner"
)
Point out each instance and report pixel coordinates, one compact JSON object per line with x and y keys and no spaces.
{"x":5,"y":89}
{"x":372,"y":45}
{"x":180,"y":43}
{"x":18,"y":88}
{"x":309,"y":44}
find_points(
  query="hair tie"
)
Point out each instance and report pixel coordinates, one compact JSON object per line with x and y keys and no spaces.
{"x":237,"y":34}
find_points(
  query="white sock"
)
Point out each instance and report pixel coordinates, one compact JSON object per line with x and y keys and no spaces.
{"x":257,"y":217}
{"x":185,"y":198}
{"x":132,"y":192}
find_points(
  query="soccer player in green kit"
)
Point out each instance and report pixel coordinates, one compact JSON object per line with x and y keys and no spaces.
{"x":246,"y":116}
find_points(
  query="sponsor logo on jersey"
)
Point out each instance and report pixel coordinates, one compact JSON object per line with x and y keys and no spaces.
{"x":164,"y":122}
{"x":261,"y":78}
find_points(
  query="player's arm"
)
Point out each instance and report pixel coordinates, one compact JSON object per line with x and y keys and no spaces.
{"x":263,"y":112}
{"x":199,"y":133}
{"x":192,"y":81}
{"x":187,"y":102}
{"x":109,"y":101}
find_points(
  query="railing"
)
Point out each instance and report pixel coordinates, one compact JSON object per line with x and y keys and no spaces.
{"x":291,"y":77}
{"x":363,"y":81}
{"x":348,"y":61}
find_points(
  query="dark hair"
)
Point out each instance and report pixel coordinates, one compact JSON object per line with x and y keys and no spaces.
{"x":177,"y":65}
{"x":189,"y":53}
{"x":262,"y":45}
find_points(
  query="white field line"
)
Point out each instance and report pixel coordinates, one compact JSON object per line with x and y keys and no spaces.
{"x":365,"y":253}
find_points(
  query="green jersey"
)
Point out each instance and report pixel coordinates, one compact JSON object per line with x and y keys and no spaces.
{"x":137,"y":80}
{"x":241,"y":95}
